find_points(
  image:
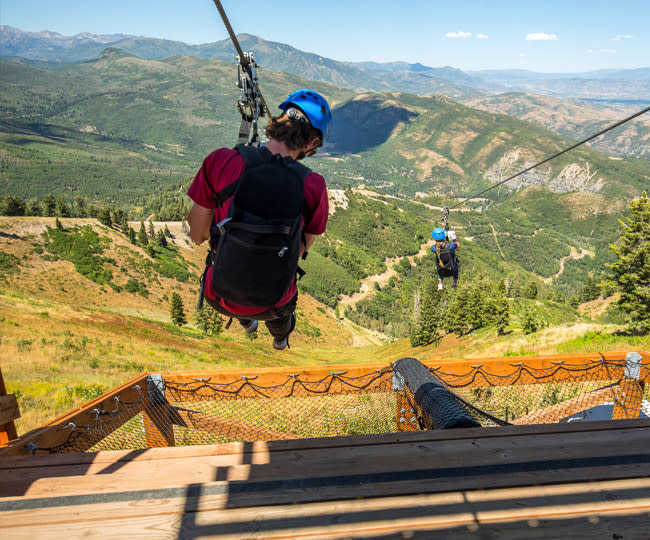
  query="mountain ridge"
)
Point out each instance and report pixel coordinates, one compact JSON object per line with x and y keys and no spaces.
{"x":362,"y":76}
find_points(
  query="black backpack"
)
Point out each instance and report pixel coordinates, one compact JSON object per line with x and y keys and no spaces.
{"x":445,"y":260}
{"x":255,"y":250}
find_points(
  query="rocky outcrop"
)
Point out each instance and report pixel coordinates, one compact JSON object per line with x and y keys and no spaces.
{"x":573,"y":177}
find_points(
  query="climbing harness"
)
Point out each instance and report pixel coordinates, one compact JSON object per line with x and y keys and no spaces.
{"x":251,"y":104}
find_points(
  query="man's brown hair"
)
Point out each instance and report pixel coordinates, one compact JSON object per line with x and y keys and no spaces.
{"x":294,"y":133}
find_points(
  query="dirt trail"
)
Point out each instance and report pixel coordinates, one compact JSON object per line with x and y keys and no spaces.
{"x":496,"y":241}
{"x":367,"y":288}
{"x":575,"y":254}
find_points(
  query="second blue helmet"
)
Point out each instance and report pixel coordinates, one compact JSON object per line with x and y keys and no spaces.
{"x":438,"y":234}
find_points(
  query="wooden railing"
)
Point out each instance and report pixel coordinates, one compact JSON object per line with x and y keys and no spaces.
{"x":143,"y":395}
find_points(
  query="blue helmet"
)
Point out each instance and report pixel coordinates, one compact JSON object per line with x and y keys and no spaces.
{"x":315,"y":108}
{"x":438,"y":233}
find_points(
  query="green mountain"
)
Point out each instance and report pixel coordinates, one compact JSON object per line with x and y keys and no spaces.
{"x":130,"y":133}
{"x":575,"y":119}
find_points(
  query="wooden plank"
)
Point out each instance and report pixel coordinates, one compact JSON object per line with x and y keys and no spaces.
{"x":628,"y":399}
{"x":229,"y":428}
{"x":8,"y":409}
{"x":554,"y":413}
{"x":405,"y":463}
{"x":58,"y":431}
{"x":556,"y":511}
{"x":246,"y":451}
{"x":8,"y":428}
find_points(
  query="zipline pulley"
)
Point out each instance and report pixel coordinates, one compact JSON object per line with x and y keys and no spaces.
{"x":446,"y":217}
{"x":250,"y":104}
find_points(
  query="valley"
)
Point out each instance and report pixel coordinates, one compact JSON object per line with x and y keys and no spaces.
{"x":103,"y":140}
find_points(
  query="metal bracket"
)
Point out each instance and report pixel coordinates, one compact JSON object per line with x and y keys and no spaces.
{"x":633,"y":365}
{"x":155,"y":389}
{"x":398,"y":382}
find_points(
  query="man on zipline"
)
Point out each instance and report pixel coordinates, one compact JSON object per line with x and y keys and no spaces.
{"x":445,"y":251}
{"x":261,"y":210}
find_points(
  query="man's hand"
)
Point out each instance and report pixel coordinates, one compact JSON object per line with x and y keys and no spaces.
{"x":309,"y":240}
{"x":200,"y":219}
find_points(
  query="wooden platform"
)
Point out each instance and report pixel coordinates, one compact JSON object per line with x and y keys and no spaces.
{"x":581,"y":480}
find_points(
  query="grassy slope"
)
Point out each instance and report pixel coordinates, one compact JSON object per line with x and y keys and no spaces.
{"x":66,"y":339}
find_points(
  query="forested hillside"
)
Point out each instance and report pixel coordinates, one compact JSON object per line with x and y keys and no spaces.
{"x":119,"y":138}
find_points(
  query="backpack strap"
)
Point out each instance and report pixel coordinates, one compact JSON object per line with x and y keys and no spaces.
{"x":253,"y":157}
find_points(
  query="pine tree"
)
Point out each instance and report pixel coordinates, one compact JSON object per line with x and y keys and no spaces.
{"x":33,"y":208}
{"x":63,"y":208}
{"x":80,"y":207}
{"x":160,"y":239}
{"x":143,"y":240}
{"x":456,"y":319}
{"x":531,"y":290}
{"x":104,"y":217}
{"x":501,"y":314}
{"x":177,"y":311}
{"x":208,"y":321}
{"x":11,"y":205}
{"x":631,"y":272}
{"x":152,"y":231}
{"x":168,"y":234}
{"x":49,"y":206}
{"x":124,"y":224}
{"x":131,"y":234}
{"x":530,"y":323}
{"x":428,"y":321}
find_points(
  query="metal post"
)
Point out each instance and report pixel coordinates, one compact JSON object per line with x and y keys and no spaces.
{"x":629,"y":394}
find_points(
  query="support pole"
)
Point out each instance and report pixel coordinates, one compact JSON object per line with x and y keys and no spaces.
{"x":629,"y":395}
{"x":8,"y":413}
{"x":158,"y":428}
{"x":436,"y":406}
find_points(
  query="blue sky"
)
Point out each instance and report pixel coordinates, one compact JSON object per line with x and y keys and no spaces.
{"x":544,"y":35}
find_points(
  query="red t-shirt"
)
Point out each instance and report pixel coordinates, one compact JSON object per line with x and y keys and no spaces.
{"x":224,"y":166}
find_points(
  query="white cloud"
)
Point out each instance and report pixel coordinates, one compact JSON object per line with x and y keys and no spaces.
{"x":458,"y":35}
{"x":481,"y":36}
{"x":621,"y":38}
{"x":608,"y":51}
{"x":541,"y":36}
{"x":590,"y":51}
{"x":521,"y":55}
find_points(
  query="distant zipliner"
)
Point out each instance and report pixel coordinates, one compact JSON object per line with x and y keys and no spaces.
{"x":447,"y":264}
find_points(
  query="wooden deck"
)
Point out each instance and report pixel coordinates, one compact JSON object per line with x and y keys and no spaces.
{"x":579,"y":480}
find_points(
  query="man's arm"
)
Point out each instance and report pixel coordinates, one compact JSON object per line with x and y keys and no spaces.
{"x":200,"y":219}
{"x":309,"y":240}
